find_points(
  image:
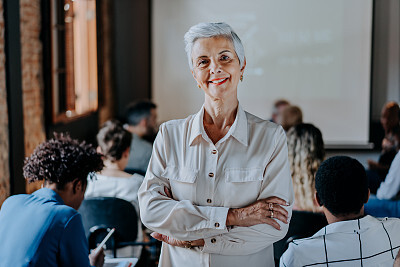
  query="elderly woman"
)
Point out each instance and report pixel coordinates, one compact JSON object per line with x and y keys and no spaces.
{"x":218,"y":190}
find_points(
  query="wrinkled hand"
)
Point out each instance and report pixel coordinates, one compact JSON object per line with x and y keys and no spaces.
{"x":97,"y":259}
{"x":177,"y":243}
{"x":167,"y":192}
{"x":259,"y":212}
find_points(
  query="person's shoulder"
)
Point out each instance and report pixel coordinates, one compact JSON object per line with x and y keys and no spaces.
{"x":253,"y":119}
{"x":171,"y":124}
{"x":176,"y":127}
{"x":298,"y":250}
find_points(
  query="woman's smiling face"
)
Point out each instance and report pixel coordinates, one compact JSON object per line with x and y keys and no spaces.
{"x":216,"y":67}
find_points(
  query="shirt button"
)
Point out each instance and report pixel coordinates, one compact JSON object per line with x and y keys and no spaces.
{"x":214,"y":151}
{"x":209,"y":200}
{"x":213,"y":240}
{"x":211,"y":174}
{"x":216,"y":224}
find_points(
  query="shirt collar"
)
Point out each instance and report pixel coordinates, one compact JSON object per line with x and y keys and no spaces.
{"x":49,"y":194}
{"x":348,"y":226}
{"x":238,"y":130}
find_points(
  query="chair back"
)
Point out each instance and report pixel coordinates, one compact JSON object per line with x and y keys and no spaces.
{"x":109,"y":212}
{"x":302,"y":224}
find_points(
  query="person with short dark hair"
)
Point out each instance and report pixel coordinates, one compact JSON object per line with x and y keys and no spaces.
{"x":279,"y":106}
{"x":350,"y":238}
{"x":141,"y":117}
{"x":114,"y":143}
{"x":44,"y":228}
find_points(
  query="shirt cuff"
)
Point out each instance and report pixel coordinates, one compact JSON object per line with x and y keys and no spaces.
{"x":212,"y":245}
{"x":218,"y":218}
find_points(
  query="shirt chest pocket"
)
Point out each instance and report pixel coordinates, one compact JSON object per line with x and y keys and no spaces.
{"x":182,"y":182}
{"x":242,"y":186}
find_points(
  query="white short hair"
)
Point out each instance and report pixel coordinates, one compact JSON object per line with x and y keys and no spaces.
{"x":208,"y":30}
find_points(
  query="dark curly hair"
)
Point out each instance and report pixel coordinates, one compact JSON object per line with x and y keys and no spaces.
{"x":113,"y":140}
{"x":342,"y":186}
{"x":62,"y":160}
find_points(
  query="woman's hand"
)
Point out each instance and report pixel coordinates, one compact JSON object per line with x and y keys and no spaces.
{"x":263,"y":211}
{"x":177,"y":243}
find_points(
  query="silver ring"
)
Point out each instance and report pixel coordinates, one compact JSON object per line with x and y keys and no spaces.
{"x":272,"y":214}
{"x":271,"y":206}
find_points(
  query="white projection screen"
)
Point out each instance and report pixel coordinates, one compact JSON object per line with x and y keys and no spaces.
{"x":314,"y":53}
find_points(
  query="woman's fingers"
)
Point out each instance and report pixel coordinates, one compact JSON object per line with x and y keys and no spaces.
{"x":276,"y":200}
{"x":273,"y":223}
{"x":278,"y":208}
{"x":168,"y":192}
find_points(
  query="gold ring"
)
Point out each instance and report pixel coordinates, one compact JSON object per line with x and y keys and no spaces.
{"x":188,"y":244}
{"x":272,"y":214}
{"x":271,"y":206}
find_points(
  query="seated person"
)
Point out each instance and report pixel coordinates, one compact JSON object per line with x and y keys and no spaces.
{"x":306,"y":153}
{"x":390,"y":187}
{"x":350,"y":238}
{"x":141,"y":117}
{"x":290,"y":116}
{"x":44,"y":228}
{"x":279,"y":106}
{"x":387,"y":200}
{"x":114,"y":143}
{"x":390,"y":122}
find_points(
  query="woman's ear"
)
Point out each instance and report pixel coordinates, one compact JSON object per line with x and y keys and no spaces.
{"x":244,"y":66}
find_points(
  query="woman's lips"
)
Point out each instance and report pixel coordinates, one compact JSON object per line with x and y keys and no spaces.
{"x":219,"y":81}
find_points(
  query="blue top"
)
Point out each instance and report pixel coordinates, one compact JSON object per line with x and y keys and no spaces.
{"x":40,"y":230}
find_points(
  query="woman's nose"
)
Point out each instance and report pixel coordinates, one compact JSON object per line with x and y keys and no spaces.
{"x":215,"y":67}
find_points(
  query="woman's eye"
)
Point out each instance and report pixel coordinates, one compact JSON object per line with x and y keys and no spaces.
{"x":202,"y":62}
{"x":224,"y":57}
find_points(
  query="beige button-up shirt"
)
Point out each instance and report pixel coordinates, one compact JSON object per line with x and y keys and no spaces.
{"x":249,"y":163}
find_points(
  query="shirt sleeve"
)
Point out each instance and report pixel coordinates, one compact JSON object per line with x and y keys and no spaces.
{"x":179,"y":219}
{"x":391,"y":186}
{"x":277,"y":182}
{"x":287,"y":259}
{"x":74,"y":250}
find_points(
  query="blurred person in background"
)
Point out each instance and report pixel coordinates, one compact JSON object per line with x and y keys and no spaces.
{"x":141,"y":118}
{"x":279,"y":106}
{"x":290,"y":116}
{"x":306,"y":153}
{"x":390,"y":123}
{"x":114,"y":144}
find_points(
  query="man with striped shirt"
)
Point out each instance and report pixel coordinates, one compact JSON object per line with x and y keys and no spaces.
{"x":350,"y":238}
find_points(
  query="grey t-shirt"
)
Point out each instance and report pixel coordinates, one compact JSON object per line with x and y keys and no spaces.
{"x":140,"y":154}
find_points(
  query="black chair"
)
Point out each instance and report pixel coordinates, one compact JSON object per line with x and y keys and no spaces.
{"x":101,"y":214}
{"x":302,"y":224}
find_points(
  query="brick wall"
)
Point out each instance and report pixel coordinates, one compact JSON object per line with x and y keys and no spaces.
{"x":106,"y":107}
{"x":4,"y":145}
{"x":32,"y":82}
